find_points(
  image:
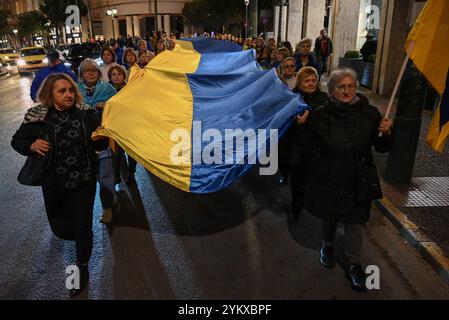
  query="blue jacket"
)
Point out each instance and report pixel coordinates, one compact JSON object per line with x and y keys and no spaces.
{"x":119,"y":53}
{"x":44,"y":73}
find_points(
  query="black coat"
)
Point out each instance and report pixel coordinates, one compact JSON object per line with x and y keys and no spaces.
{"x":340,"y":135}
{"x":36,"y":126}
{"x":296,"y":145}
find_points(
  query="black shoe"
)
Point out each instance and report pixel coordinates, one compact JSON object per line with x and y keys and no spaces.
{"x":327,"y":257}
{"x":84,"y":280}
{"x":357,"y":277}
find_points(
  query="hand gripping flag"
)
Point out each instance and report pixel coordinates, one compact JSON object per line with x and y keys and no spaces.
{"x":198,"y":117}
{"x":430,"y":55}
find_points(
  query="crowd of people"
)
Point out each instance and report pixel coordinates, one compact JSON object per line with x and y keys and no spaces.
{"x":322,"y":153}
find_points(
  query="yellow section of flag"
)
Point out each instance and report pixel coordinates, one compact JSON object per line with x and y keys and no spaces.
{"x":431,"y":56}
{"x":153,"y":97}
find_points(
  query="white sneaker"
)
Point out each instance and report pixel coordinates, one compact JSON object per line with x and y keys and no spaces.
{"x":106,"y":217}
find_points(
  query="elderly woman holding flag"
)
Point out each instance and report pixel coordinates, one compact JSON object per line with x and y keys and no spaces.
{"x":343,"y":179}
{"x":95,"y":93}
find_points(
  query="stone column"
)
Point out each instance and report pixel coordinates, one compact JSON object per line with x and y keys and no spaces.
{"x":344,"y":28}
{"x":129,"y":26}
{"x":167,"y":24}
{"x":315,"y":18}
{"x":116,"y":27}
{"x":295,"y":15}
{"x":136,"y":24}
{"x":85,"y":29}
{"x":390,"y":51}
{"x":159,"y":21}
{"x":107,"y":27}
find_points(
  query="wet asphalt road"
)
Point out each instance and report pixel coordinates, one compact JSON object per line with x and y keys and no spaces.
{"x":167,"y":244}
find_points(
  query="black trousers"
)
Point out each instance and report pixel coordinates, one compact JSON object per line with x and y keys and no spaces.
{"x":352,"y":235}
{"x":70,"y":214}
{"x":298,"y":181}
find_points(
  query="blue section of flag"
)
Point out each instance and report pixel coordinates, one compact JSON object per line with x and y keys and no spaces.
{"x":236,"y":95}
{"x":207,"y":45}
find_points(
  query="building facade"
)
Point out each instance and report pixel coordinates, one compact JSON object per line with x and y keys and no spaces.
{"x":348,"y":22}
{"x":134,"y":18}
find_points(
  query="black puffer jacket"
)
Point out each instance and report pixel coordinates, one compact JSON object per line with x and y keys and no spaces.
{"x":341,"y":134}
{"x":36,"y":126}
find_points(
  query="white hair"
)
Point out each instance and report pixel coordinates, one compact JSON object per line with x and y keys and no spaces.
{"x":83,"y":66}
{"x":337,"y":75}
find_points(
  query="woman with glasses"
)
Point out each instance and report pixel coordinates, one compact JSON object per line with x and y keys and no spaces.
{"x":288,"y":74}
{"x":95,"y":93}
{"x":342,"y":134}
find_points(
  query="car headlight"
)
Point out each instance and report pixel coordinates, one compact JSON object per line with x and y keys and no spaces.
{"x":45,"y":61}
{"x":20,"y":62}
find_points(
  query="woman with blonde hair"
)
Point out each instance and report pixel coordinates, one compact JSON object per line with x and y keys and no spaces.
{"x":60,"y":127}
{"x":300,"y":151}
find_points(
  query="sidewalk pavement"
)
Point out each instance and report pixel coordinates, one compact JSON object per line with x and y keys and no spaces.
{"x":420,"y":209}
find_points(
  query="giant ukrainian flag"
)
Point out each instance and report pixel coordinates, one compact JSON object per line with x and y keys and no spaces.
{"x":431,"y":56}
{"x":203,"y":88}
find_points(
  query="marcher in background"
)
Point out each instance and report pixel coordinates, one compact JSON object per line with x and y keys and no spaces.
{"x":117,"y":77}
{"x":109,"y":59}
{"x":160,"y":47}
{"x":288,"y":77}
{"x":262,"y":53}
{"x":288,"y":45}
{"x":299,"y":153}
{"x":288,"y":74}
{"x":343,"y":133}
{"x":171,"y":44}
{"x":129,"y":58}
{"x":62,"y":126}
{"x":119,"y":51}
{"x":248,"y":44}
{"x":55,"y":65}
{"x":145,"y":57}
{"x":369,"y":47}
{"x":323,"y":50}
{"x":304,"y":57}
{"x":281,"y":55}
{"x":95,"y":93}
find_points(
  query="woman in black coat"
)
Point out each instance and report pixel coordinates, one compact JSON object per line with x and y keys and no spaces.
{"x":62,"y":128}
{"x":300,"y":149}
{"x":343,"y":133}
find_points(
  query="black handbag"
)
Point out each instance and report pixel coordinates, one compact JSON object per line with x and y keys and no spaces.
{"x":37,"y":170}
{"x":368,"y":186}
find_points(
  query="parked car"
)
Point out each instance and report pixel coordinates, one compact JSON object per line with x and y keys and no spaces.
{"x":9,"y":56}
{"x":32,"y":59}
{"x":80,"y":51}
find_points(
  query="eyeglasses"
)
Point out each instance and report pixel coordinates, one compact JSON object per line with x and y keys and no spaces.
{"x":289,"y":66}
{"x":343,"y":88}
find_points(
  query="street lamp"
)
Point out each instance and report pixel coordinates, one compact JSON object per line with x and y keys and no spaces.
{"x":112,"y":13}
{"x":246,"y":19}
{"x":15,"y":31}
